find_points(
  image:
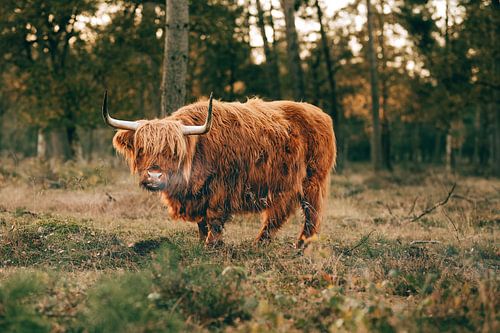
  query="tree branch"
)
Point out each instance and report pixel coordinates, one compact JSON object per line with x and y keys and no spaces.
{"x":362,"y":241}
{"x":439,"y":204}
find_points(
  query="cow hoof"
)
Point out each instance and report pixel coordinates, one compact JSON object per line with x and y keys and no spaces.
{"x":214,"y":244}
{"x":304,"y":241}
{"x":300,"y":244}
{"x":262,"y":241}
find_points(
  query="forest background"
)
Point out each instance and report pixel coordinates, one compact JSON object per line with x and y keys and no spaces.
{"x":430,"y":68}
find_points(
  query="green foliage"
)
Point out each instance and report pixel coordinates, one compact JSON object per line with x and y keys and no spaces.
{"x":212,"y":295}
{"x":18,"y":296}
{"x":44,"y":50}
{"x":124,"y":304}
{"x":162,"y":299}
{"x":220,"y":37}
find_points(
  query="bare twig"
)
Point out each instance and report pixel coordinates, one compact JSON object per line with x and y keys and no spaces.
{"x":439,"y":204}
{"x":177,"y":302}
{"x":110,"y":197}
{"x":413,"y":206}
{"x":362,"y":241}
{"x":452,"y":223}
{"x":389,"y":209}
{"x":461,"y":197}
{"x":415,"y":242}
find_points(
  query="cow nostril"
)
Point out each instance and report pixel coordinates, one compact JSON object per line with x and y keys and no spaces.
{"x":155,"y":175}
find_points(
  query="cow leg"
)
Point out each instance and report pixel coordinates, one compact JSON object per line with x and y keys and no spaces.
{"x":203,"y":230}
{"x":275,"y":216}
{"x":314,"y":191}
{"x":214,"y":236}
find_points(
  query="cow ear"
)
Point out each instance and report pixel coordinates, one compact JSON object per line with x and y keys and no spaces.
{"x":124,"y":143}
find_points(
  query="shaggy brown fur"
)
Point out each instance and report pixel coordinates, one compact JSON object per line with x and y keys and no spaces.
{"x":267,"y":157}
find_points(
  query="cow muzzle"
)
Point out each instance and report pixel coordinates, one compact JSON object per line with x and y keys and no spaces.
{"x":154,"y":181}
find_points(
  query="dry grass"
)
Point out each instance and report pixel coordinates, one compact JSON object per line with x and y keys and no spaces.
{"x":75,"y":227}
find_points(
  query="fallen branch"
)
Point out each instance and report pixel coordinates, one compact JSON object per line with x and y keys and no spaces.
{"x":439,"y":204}
{"x":415,"y":242}
{"x":110,"y":197}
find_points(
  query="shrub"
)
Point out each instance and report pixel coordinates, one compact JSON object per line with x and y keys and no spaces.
{"x":174,"y":289}
{"x":341,"y":313}
{"x":17,"y":306}
{"x":203,"y":291}
{"x":121,"y":304}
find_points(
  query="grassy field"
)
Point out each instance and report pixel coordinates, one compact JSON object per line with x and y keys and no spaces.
{"x":82,"y":248}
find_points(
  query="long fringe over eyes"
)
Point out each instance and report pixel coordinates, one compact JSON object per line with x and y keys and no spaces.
{"x":159,"y":140}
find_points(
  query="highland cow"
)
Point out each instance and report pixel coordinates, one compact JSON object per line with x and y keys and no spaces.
{"x":267,"y":157}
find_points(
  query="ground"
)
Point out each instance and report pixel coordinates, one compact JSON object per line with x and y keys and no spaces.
{"x":82,"y":248}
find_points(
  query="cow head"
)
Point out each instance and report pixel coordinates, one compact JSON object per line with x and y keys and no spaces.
{"x":157,"y":150}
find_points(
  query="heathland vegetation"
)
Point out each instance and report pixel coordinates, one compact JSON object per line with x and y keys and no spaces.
{"x":83,"y":249}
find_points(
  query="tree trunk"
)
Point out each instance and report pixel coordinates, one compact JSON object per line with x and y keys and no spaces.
{"x":449,"y":138}
{"x":246,"y":21}
{"x":386,"y":128}
{"x":386,"y":142}
{"x":232,"y":79}
{"x":86,"y":146}
{"x":335,"y":111}
{"x":1,"y":129}
{"x":173,"y":86}
{"x":274,"y":53}
{"x":449,"y":152}
{"x":314,"y":63}
{"x":271,"y":63}
{"x":416,"y":154}
{"x":71,"y":141}
{"x":41,"y":145}
{"x":376,"y":144}
{"x":496,"y":139}
{"x":494,"y":103}
{"x":477,"y":138}
{"x":275,"y":38}
{"x":437,"y":148}
{"x":60,"y":146}
{"x":294,"y":63}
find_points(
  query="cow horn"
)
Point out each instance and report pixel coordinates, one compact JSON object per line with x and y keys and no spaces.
{"x":120,"y":124}
{"x":191,"y":130}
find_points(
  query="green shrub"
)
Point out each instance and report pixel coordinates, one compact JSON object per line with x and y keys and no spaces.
{"x":340,"y":313}
{"x":124,"y":304}
{"x":174,"y":289}
{"x":17,"y":304}
{"x":203,"y":291}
